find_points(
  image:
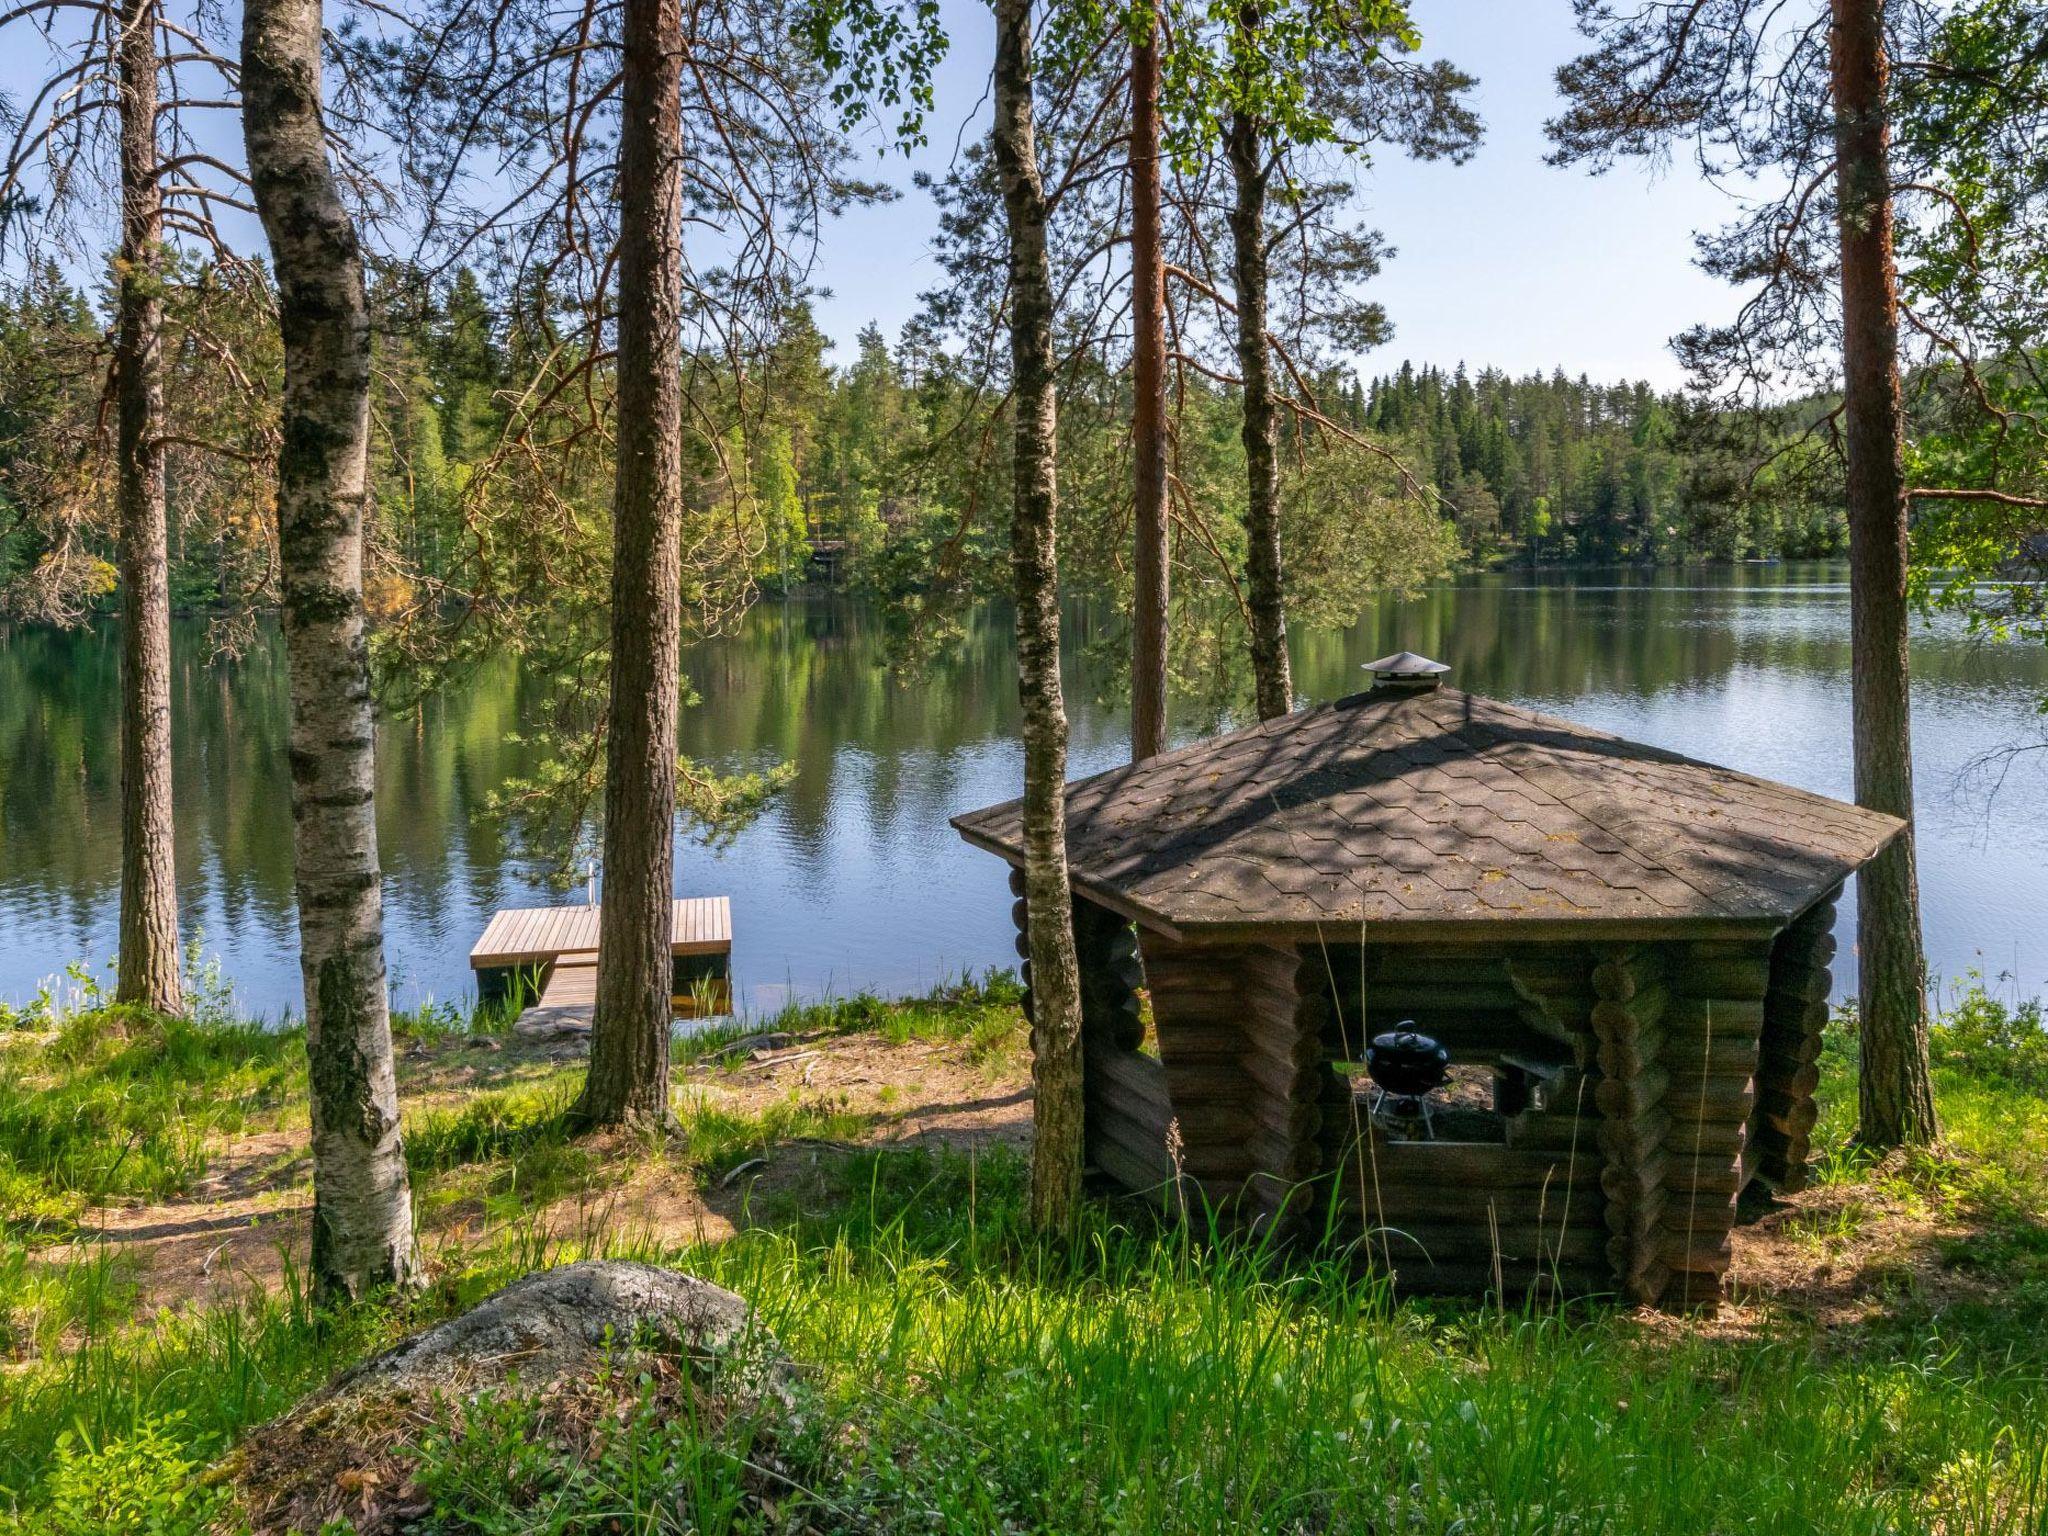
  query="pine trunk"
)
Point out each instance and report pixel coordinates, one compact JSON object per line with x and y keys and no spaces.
{"x":149,"y":879}
{"x":1272,"y":681}
{"x":629,"y":1039}
{"x":1148,"y":407}
{"x":362,"y":1210}
{"x":1896,"y":1097}
{"x":1034,"y":555}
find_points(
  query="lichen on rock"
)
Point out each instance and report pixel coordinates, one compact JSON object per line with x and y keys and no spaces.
{"x":583,"y":1344}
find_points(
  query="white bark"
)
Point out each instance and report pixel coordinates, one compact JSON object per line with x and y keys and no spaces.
{"x":362,"y":1211}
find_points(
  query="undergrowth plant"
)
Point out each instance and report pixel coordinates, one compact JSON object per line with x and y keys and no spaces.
{"x":960,"y":1372}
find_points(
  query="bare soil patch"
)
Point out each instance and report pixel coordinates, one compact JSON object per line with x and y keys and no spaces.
{"x":1834,"y":1256}
{"x":236,"y":1229}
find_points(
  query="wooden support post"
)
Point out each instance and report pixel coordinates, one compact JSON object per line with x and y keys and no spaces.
{"x":1795,"y":1014}
{"x":1243,"y":1053}
{"x":1630,"y":1094}
{"x":1711,"y":1034}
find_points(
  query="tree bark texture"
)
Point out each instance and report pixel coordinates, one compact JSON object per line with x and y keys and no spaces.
{"x":1272,"y":679}
{"x":1148,"y":408}
{"x":1034,"y":556}
{"x":1896,"y":1097}
{"x":362,"y":1210}
{"x":148,"y":972}
{"x":629,"y":1040}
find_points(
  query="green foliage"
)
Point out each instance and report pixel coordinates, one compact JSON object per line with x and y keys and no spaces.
{"x":57,"y":516}
{"x":115,"y":1101}
{"x":1565,"y":469}
{"x":142,"y":1484}
{"x":878,"y":53}
{"x":1991,"y":1039}
{"x":1974,"y":268}
{"x":1221,"y":61}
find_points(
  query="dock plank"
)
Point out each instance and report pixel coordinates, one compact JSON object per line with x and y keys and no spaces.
{"x":699,"y":925}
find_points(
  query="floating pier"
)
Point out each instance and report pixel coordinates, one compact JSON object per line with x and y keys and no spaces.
{"x":553,"y":952}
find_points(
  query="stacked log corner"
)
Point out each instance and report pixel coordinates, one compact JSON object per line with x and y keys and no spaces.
{"x":1788,"y":1056}
{"x":1711,"y":1027}
{"x":1633,"y":995}
{"x":1125,"y":1107}
{"x":1243,"y":1052}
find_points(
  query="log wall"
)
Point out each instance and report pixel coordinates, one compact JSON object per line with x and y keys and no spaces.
{"x":1711,"y":1028}
{"x":1125,"y":1106}
{"x":1788,"y":1055}
{"x":1673,"y":1074}
{"x":1242,"y":1048}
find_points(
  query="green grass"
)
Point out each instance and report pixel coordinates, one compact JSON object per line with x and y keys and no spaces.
{"x":982,"y":1010}
{"x":115,"y":1102}
{"x":961,"y":1374}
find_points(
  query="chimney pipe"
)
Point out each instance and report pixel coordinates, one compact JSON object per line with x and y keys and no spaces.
{"x":1405,"y":672}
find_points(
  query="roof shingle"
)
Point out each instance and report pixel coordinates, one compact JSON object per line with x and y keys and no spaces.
{"x":1443,"y":810}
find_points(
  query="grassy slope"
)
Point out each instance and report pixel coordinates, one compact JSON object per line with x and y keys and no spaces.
{"x":966,"y":1376}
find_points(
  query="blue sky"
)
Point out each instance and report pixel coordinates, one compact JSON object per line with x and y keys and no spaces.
{"x":1502,"y":260}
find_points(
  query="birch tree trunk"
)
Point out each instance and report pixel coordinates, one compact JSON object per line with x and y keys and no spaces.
{"x":148,"y":971}
{"x":362,"y":1211}
{"x":1895,"y":1094}
{"x":1272,"y":679}
{"x":1034,"y":558}
{"x":629,"y":1039}
{"x":1148,"y":407}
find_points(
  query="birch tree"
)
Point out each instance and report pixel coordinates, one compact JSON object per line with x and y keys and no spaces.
{"x":1034,"y":558}
{"x":362,"y":1209}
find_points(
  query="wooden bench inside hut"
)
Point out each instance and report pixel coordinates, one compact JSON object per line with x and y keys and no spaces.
{"x":1624,"y":953}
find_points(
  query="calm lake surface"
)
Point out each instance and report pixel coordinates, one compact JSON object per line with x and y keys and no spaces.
{"x":853,"y":879}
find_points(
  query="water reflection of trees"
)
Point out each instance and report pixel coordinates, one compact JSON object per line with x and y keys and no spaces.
{"x":881,"y":757}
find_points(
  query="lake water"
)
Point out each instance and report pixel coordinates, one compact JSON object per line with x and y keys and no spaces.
{"x":853,"y":879}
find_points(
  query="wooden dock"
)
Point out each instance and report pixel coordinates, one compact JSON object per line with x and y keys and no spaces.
{"x":556,"y":947}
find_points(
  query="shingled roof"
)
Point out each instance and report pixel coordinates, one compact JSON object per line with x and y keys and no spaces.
{"x":1439,"y":813}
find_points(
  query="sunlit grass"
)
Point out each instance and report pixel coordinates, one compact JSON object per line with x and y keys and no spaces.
{"x":983,"y":1010}
{"x":961,"y":1373}
{"x":964,"y":1375}
{"x":116,"y":1103}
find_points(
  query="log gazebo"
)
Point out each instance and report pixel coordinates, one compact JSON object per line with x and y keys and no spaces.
{"x":1625,"y":952}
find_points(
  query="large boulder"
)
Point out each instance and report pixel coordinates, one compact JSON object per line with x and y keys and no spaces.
{"x":584,"y":1340}
{"x":558,"y":1323}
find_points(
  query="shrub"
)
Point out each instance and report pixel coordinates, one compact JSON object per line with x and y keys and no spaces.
{"x":1988,"y":1037}
{"x":141,"y":1485}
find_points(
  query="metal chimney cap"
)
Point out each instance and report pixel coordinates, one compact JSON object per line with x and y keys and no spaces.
{"x":1406,"y":669}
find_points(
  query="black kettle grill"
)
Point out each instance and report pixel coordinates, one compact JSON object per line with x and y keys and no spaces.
{"x":1406,"y":1067}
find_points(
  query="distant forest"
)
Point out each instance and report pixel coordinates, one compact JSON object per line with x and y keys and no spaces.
{"x":1567,"y":469}
{"x":874,"y":471}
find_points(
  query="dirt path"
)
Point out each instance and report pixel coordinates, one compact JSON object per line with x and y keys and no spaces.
{"x":240,"y":1227}
{"x":1834,"y":1256}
